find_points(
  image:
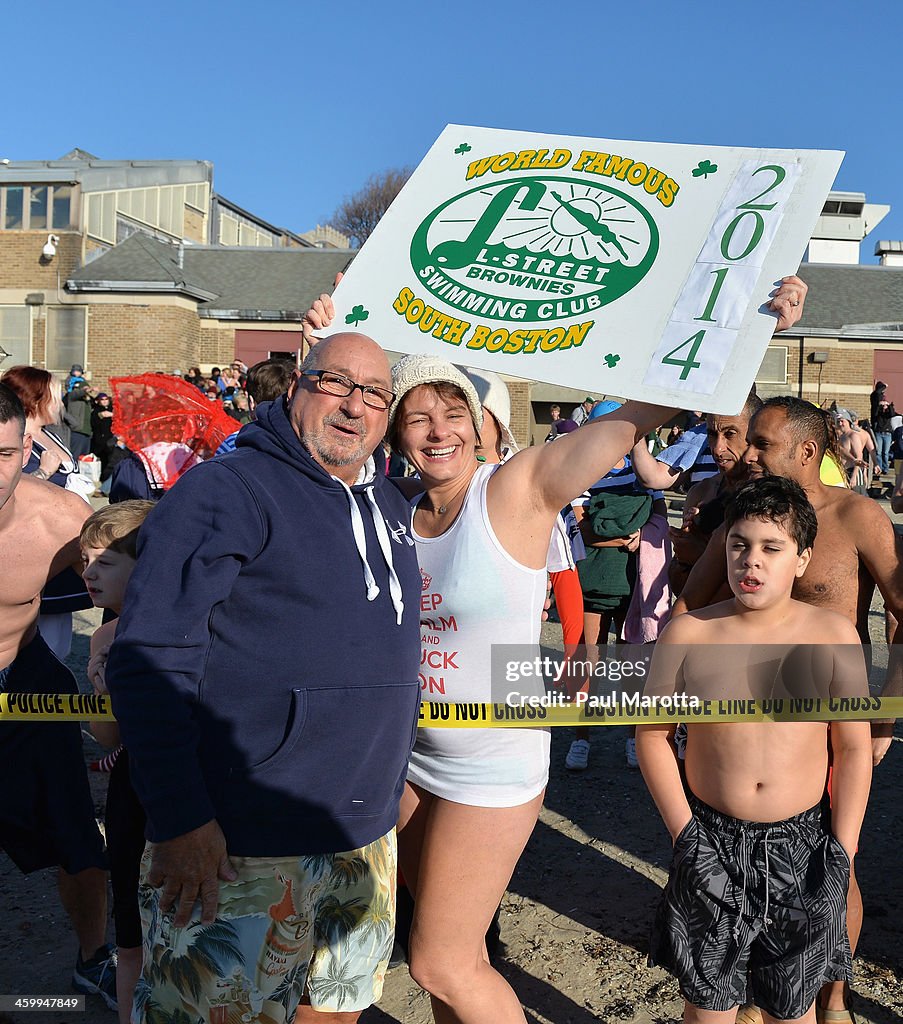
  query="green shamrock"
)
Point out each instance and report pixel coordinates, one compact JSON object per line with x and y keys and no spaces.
{"x":705,"y":168}
{"x":357,"y":315}
{"x":463,"y":148}
{"x":612,"y":360}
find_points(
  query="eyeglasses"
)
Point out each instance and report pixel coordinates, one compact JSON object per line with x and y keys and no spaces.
{"x":335,"y":384}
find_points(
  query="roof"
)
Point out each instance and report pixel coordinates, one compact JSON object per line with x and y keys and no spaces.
{"x":230,"y":282}
{"x":858,"y":299}
{"x":96,"y":175}
{"x":219,"y":200}
{"x":280,"y":283}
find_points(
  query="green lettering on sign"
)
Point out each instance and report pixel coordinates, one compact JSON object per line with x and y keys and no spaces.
{"x":754,"y":239}
{"x":753,"y":204}
{"x":706,"y":315}
{"x":689,"y":362}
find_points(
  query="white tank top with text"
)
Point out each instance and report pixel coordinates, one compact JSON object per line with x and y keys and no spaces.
{"x":474,"y":595}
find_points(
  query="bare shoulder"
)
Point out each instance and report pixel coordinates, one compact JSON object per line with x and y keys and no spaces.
{"x":858,"y":508}
{"x":695,"y":627}
{"x":42,"y":498}
{"x":719,"y":537}
{"x":512,"y":478}
{"x":869,"y":529}
{"x":823,"y":626}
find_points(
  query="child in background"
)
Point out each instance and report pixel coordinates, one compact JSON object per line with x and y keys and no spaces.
{"x":108,"y":542}
{"x":761,"y":863}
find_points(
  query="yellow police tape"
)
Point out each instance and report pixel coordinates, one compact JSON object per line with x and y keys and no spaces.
{"x":630,"y":710}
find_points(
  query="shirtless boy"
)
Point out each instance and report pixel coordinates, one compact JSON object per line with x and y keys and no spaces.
{"x":760,"y":870}
{"x":46,"y":811}
{"x":855,"y":550}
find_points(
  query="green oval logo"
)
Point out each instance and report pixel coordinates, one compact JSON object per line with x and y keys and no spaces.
{"x":534,"y":249}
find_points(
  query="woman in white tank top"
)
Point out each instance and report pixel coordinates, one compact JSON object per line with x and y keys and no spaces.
{"x":482,"y":534}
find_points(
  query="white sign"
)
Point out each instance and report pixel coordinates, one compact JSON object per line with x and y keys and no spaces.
{"x":630,"y":268}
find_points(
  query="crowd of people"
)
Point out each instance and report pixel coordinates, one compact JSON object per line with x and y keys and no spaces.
{"x":276,"y":612}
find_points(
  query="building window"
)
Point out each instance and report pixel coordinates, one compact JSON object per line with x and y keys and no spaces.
{"x":36,"y":207}
{"x":14,"y":214}
{"x":37,"y":216}
{"x":774,"y":366}
{"x":66,"y":337}
{"x":161,"y":207}
{"x":62,"y":206}
{"x":15,"y":336}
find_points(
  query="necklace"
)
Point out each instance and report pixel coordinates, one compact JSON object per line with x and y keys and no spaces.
{"x":442,"y":509}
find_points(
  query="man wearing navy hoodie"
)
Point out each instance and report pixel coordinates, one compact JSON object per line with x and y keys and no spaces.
{"x":265,"y":678}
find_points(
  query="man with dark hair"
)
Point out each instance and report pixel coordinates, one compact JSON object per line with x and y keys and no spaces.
{"x":267,"y":380}
{"x":46,"y":810}
{"x":270,"y":379}
{"x":855,"y":550}
{"x":706,"y":499}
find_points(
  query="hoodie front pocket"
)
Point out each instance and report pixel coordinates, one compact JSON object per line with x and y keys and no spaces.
{"x":294,"y":727}
{"x":358,"y":742}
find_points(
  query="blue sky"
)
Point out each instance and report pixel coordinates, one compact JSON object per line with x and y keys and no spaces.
{"x":297,"y":102}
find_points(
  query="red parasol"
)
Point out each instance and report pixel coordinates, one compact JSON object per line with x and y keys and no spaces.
{"x":154,"y":407}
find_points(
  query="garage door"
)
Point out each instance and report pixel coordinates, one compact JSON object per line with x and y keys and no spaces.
{"x":252,"y":346}
{"x":889,"y":368}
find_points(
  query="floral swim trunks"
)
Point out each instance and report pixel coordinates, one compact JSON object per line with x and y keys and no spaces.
{"x":321,"y":924}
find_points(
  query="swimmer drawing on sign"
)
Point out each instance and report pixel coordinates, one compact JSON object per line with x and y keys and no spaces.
{"x":588,"y":221}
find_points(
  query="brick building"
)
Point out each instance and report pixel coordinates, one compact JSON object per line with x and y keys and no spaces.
{"x":140,"y":308}
{"x":851,"y":335}
{"x":156,"y":306}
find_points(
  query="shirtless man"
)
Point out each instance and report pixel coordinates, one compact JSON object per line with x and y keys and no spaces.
{"x":46,"y":810}
{"x":787,"y":437}
{"x":855,"y":542}
{"x":760,"y":870}
{"x":856,"y":447}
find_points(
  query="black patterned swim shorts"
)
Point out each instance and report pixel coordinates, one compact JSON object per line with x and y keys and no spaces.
{"x":751,"y":903}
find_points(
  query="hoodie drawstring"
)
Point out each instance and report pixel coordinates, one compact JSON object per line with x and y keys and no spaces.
{"x":385,"y":545}
{"x":360,"y":540}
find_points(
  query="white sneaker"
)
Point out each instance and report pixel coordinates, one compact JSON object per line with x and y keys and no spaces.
{"x":630,"y":751}
{"x":578,"y":756}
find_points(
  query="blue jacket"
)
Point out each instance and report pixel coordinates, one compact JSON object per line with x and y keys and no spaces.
{"x":265,"y":670}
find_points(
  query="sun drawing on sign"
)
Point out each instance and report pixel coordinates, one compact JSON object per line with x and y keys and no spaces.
{"x":580,"y":221}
